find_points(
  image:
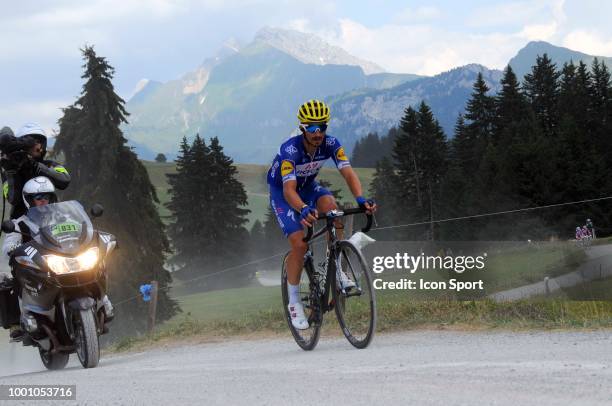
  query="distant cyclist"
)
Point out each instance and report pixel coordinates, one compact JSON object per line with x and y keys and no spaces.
{"x":296,"y":197}
{"x":591,"y":228}
{"x":578,"y":233}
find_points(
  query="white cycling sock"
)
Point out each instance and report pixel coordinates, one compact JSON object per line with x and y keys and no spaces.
{"x":294,"y":293}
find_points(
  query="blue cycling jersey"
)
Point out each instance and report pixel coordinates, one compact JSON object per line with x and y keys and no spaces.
{"x":293,"y":162}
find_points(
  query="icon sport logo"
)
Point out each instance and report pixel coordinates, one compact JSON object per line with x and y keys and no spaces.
{"x":286,"y":168}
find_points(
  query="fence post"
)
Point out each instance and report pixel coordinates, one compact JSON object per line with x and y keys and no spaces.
{"x":152,"y":308}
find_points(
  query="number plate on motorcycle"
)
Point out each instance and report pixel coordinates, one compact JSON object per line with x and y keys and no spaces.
{"x":64,"y":228}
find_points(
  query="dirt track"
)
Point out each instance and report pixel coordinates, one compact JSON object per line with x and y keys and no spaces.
{"x":427,"y":368}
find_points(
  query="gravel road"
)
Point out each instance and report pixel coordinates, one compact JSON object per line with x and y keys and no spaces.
{"x":425,"y":368}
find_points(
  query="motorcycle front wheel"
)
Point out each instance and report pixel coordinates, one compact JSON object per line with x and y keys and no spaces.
{"x":86,"y":339}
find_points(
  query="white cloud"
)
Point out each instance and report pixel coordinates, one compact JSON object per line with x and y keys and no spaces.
{"x":539,"y":32}
{"x":418,"y":14}
{"x":430,"y":47}
{"x":422,"y":48}
{"x":298,"y":24}
{"x":517,"y":13}
{"x":588,"y":42}
{"x":58,"y":31}
{"x":44,"y":112}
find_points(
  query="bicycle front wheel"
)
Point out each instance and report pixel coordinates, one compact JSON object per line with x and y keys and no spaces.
{"x":355,"y":306}
{"x":306,"y":339}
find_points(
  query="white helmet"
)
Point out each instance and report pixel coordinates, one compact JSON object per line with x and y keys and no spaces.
{"x":39,"y":185}
{"x":31,"y":129}
{"x":34,"y":132}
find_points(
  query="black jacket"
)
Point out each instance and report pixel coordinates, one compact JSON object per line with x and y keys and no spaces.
{"x":14,"y":179}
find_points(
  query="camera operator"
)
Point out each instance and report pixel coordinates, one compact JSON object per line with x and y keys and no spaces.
{"x":23,"y":159}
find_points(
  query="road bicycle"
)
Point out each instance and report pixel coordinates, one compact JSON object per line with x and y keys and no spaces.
{"x":321,"y":289}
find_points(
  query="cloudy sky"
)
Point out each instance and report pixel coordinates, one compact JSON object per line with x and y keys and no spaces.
{"x":40,"y":62}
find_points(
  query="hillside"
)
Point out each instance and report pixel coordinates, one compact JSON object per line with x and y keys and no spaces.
{"x":247,"y":95}
{"x":254,"y":179}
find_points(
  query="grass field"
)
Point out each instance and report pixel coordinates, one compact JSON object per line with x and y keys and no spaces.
{"x":594,"y":290}
{"x":504,"y":271}
{"x":253,"y":177}
{"x":397,"y":316}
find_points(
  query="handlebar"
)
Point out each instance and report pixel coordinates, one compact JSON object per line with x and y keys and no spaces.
{"x":330,"y":220}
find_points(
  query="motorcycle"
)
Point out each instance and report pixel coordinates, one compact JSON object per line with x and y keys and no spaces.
{"x":59,"y":282}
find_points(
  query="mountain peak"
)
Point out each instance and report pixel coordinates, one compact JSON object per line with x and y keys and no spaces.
{"x":232,"y":44}
{"x":143,"y":88}
{"x":309,"y":48}
{"x":526,"y":56}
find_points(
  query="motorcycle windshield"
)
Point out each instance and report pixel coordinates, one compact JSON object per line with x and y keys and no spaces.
{"x":62,"y":227}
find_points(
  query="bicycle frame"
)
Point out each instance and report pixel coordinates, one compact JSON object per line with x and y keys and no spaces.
{"x":332,"y":246}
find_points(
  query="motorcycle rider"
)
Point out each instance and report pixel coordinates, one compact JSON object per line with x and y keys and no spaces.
{"x":37,"y":192}
{"x":23,"y":158}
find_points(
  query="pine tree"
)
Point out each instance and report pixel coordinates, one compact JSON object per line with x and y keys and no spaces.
{"x":257,"y":238}
{"x":105,"y":170}
{"x":404,"y":155}
{"x":384,"y":190}
{"x":420,"y":155}
{"x":458,"y":182}
{"x":207,"y":206}
{"x":335,"y":192}
{"x":600,"y":90}
{"x":541,"y":87}
{"x":372,"y":148}
{"x":228,"y":206}
{"x":513,"y":125}
{"x":601,"y":107}
{"x":479,"y":116}
{"x":367,"y":151}
{"x":511,"y":109}
{"x":182,"y":198}
{"x":275,"y":240}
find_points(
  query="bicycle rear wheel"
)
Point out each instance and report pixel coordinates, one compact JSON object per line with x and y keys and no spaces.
{"x":306,"y":339}
{"x":356,"y":306}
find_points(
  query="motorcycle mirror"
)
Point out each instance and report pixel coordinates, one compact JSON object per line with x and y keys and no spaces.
{"x":8,"y":226}
{"x":97,"y":210}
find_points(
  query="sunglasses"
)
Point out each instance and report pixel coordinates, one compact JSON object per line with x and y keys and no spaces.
{"x":313,"y":128}
{"x":42,"y":196}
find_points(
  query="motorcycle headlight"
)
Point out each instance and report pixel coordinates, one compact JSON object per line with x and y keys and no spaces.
{"x":63,"y":265}
{"x":88,"y":259}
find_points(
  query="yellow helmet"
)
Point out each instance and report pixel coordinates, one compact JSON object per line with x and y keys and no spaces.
{"x":313,"y":112}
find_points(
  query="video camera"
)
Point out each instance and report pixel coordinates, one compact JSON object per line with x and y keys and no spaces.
{"x":14,"y":150}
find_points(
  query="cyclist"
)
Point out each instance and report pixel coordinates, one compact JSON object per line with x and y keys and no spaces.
{"x":296,"y":197}
{"x":591,"y":228}
{"x":586,"y":233}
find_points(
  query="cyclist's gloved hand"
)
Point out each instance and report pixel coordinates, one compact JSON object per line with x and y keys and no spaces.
{"x":308,"y":215}
{"x":367,"y":204}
